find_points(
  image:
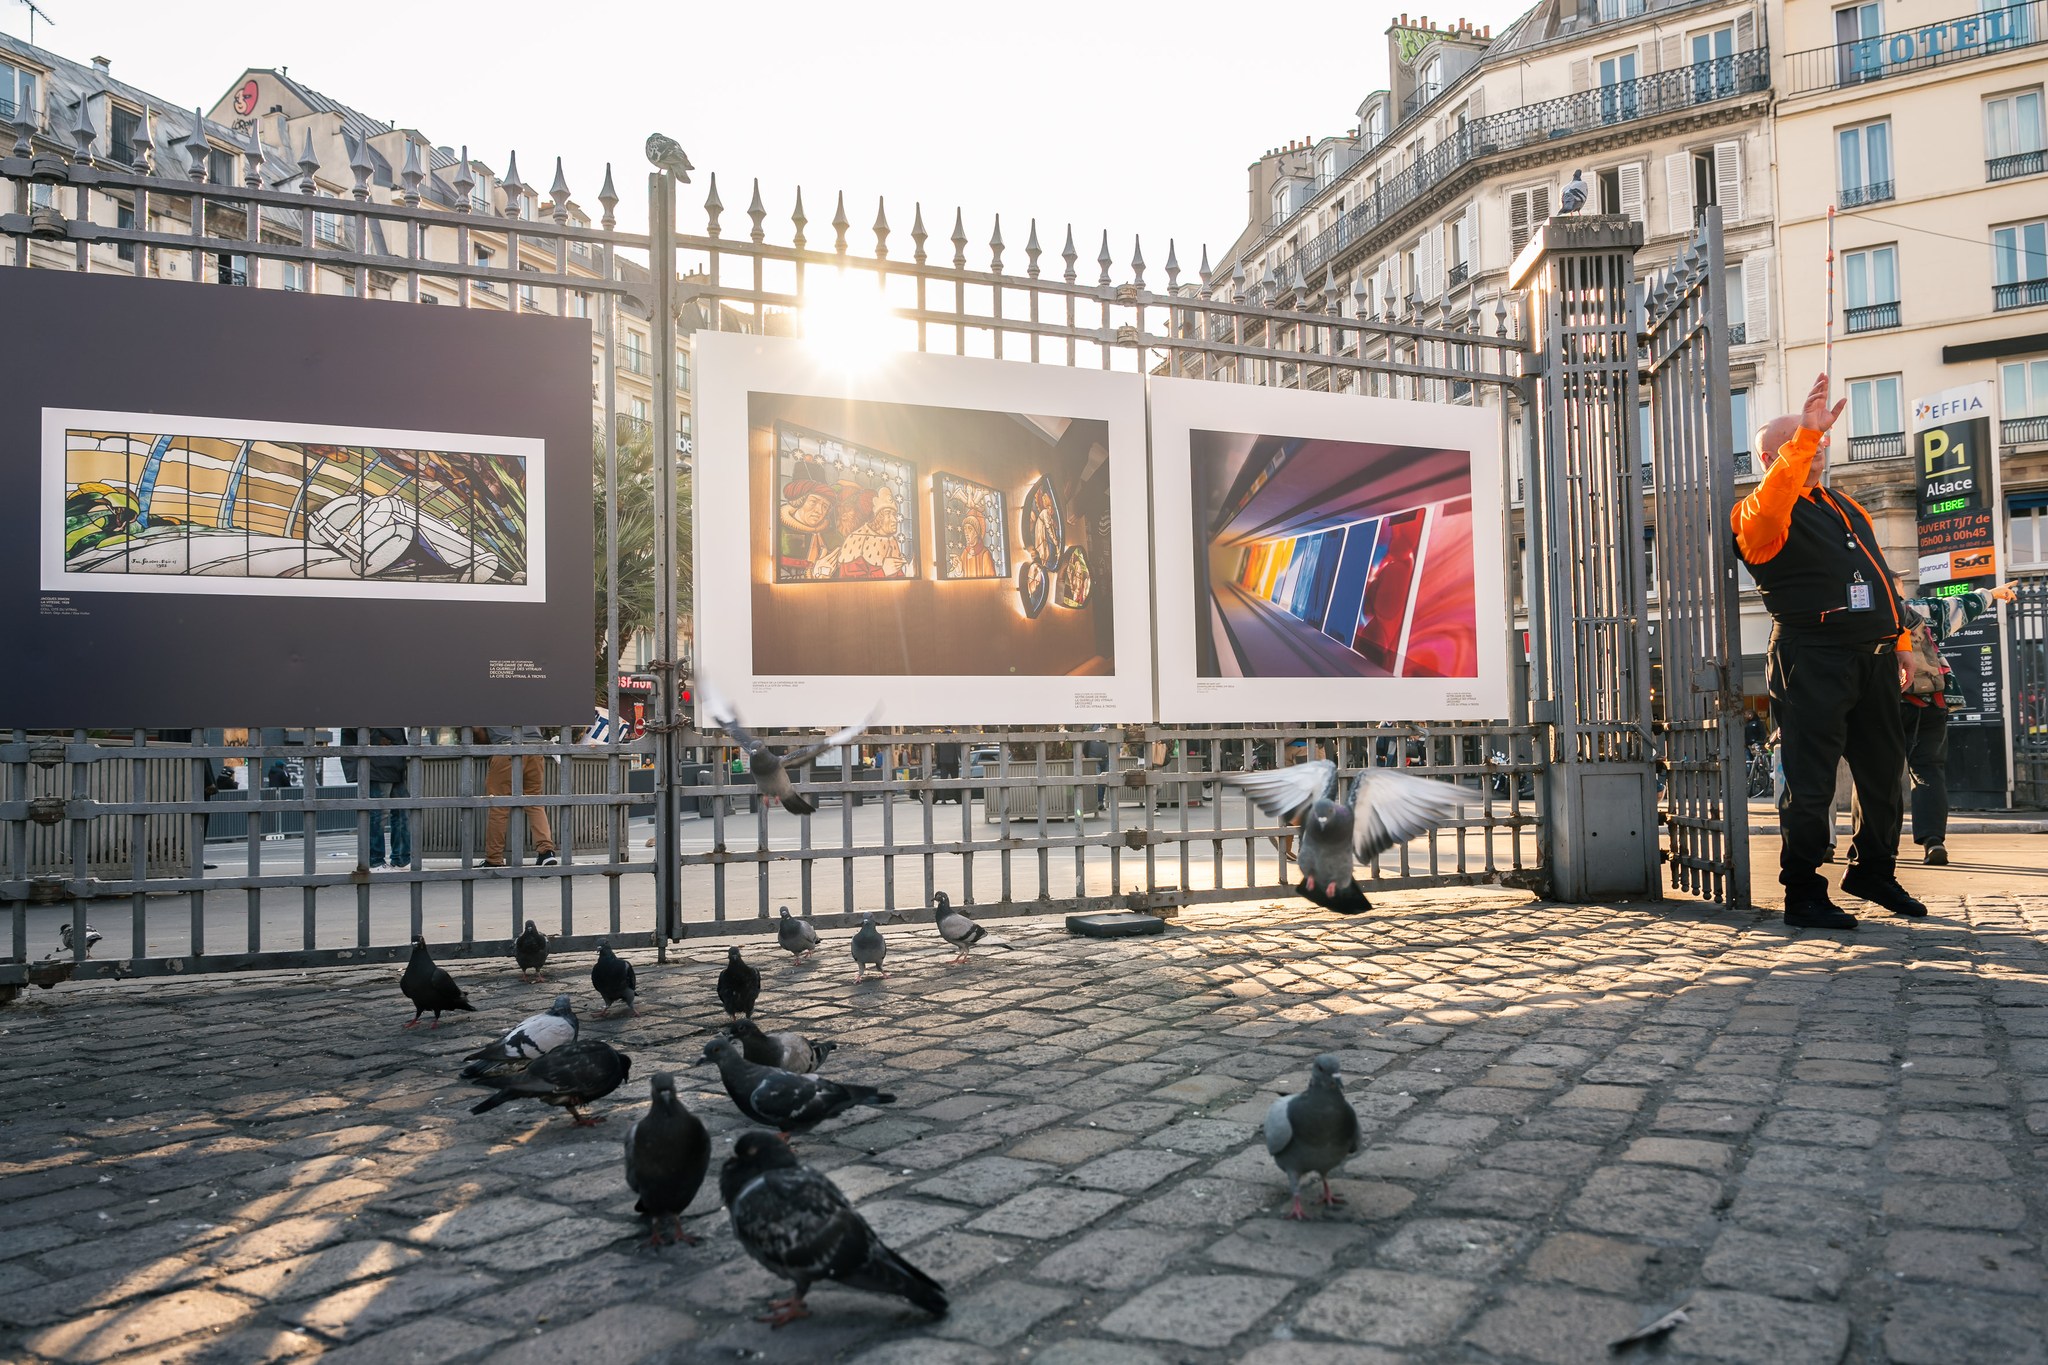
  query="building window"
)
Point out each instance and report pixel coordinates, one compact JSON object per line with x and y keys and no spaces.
{"x":2013,"y":139}
{"x":1375,"y":126}
{"x":1876,"y":419}
{"x":1279,"y":203}
{"x":1713,"y":63}
{"x":220,"y":166}
{"x":1526,"y":209}
{"x":124,"y":216}
{"x":579,"y":304}
{"x":682,"y":369}
{"x":1864,"y":158}
{"x":122,"y":126}
{"x":1650,"y":558}
{"x":637,"y":407}
{"x":17,"y":90}
{"x":1854,"y":24}
{"x":1621,"y":190}
{"x":327,"y":226}
{"x":2026,"y":545}
{"x":2019,"y":262}
{"x":1620,"y":9}
{"x":636,"y":353}
{"x":1326,"y":167}
{"x":1872,"y":280}
{"x":1716,"y":179}
{"x":348,"y":282}
{"x":294,"y":276}
{"x":483,"y":262}
{"x":1738,"y":423}
{"x":230,"y":269}
{"x":2023,"y":401}
{"x":1618,"y":87}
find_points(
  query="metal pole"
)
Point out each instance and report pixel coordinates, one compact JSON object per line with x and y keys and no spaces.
{"x":1828,"y":342}
{"x":661,"y":193}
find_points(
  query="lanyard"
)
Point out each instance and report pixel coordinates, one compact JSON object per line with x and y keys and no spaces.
{"x":1848,"y":527}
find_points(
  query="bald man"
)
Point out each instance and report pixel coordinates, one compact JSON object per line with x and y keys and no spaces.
{"x":1832,"y":672}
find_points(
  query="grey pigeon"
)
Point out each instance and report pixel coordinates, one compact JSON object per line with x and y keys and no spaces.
{"x":1574,"y":197}
{"x":739,"y":985}
{"x":569,"y":1078}
{"x":869,"y":947}
{"x":70,"y":949}
{"x":771,"y":766}
{"x":533,"y":1036}
{"x":667,"y":154}
{"x":788,"y":1051}
{"x":531,"y":950}
{"x":429,"y":987}
{"x":795,"y":1221}
{"x":1313,"y":1131}
{"x":960,"y":931}
{"x":667,"y":1154}
{"x":784,"y":1100}
{"x":612,"y":977}
{"x":795,"y":936}
{"x":1388,"y":807}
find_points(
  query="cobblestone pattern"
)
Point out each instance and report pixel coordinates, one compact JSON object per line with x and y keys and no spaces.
{"x":1831,"y":1146}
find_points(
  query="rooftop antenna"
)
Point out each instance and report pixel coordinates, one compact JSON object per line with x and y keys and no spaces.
{"x":34,"y":14}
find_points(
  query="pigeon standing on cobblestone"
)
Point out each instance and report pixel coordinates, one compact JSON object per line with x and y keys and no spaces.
{"x":569,"y":1078}
{"x":789,"y":1051}
{"x":795,"y":936}
{"x":533,"y":1036}
{"x":798,"y":1224}
{"x":739,"y":985}
{"x":429,"y":987}
{"x":613,"y":978}
{"x":960,"y":931}
{"x":70,"y":948}
{"x":770,"y":766}
{"x":667,"y":1154}
{"x":531,"y":949}
{"x":784,"y":1100}
{"x":869,"y":948}
{"x":1388,"y":807}
{"x":1313,"y":1131}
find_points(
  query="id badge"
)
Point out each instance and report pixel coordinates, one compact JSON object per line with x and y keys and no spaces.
{"x":1859,"y":596}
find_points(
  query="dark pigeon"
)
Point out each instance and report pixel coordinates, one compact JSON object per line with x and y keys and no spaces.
{"x":667,"y":1153}
{"x":538,"y":1034}
{"x":796,"y":1222}
{"x":797,"y":937}
{"x":569,"y":1078}
{"x":960,"y":931}
{"x":1313,"y":1131}
{"x":770,"y":766}
{"x":1388,"y":807}
{"x":612,"y":977}
{"x":739,"y":985}
{"x":1574,"y":197}
{"x":869,"y":948}
{"x":429,"y":987}
{"x":785,"y":1100}
{"x":531,"y":949}
{"x":787,"y":1051}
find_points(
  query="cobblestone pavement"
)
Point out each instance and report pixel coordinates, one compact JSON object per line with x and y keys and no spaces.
{"x":1830,"y":1146}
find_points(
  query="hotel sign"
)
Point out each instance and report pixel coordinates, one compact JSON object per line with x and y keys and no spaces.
{"x":1868,"y":57}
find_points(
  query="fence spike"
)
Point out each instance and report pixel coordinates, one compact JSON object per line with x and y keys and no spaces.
{"x":713,"y":206}
{"x":559,"y":192}
{"x":756,"y":211}
{"x":1172,"y":267}
{"x":465,"y":183}
{"x":1032,"y":251}
{"x":411,"y":175}
{"x":514,"y":188}
{"x":1204,"y":267}
{"x":881,"y":231}
{"x":798,"y":218}
{"x":917,"y":232}
{"x":362,"y":168}
{"x":1500,"y":313}
{"x":196,"y":149}
{"x":24,"y":129}
{"x":141,"y":143}
{"x":1104,"y":259}
{"x":252,"y":158}
{"x":1137,"y":263}
{"x":995,"y":247}
{"x":609,"y":197}
{"x":1069,"y":255}
{"x":82,"y":135}
{"x":1237,"y":293}
{"x":959,"y":241}
{"x":840,"y":225}
{"x":308,"y":163}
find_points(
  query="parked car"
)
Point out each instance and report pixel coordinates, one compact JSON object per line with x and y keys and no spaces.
{"x":980,"y":764}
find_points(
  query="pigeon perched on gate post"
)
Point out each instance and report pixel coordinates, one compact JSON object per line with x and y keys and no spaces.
{"x":1388,"y":807}
{"x":1313,"y":1131}
{"x":739,"y":985}
{"x":613,"y":978}
{"x":428,"y":986}
{"x":1574,"y":197}
{"x":797,"y":937}
{"x":667,"y":1154}
{"x":869,"y":948}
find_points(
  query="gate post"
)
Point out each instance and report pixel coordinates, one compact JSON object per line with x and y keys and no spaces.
{"x":661,"y":238}
{"x":1585,"y":526}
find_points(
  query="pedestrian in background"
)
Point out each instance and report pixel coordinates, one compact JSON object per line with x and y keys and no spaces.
{"x":498,"y":782}
{"x":388,"y":779}
{"x":1929,"y":693}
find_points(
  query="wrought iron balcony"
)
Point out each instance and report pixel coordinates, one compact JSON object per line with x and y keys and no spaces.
{"x":1874,"y":317}
{"x":2013,"y":167}
{"x":2020,"y":294}
{"x":2024,"y":431}
{"x":1460,"y":273}
{"x":1531,"y":125}
{"x":1875,"y":192}
{"x":1963,"y":38}
{"x":1745,"y":464}
{"x":1423,"y":94}
{"x":1887,"y":445}
{"x":1738,"y":333}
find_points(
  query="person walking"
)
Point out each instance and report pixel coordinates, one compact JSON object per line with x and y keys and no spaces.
{"x":388,"y":779}
{"x":1929,"y":694}
{"x":498,"y":782}
{"x":1831,"y":671}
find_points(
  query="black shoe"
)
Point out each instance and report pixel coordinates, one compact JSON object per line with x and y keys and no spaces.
{"x":1882,"y":889}
{"x":1937,"y":855}
{"x":1813,"y":910}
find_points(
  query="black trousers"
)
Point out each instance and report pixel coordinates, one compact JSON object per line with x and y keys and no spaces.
{"x":1926,"y":730}
{"x":1833,"y":702}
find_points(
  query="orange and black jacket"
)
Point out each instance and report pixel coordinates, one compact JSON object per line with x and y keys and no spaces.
{"x":1806,"y":546}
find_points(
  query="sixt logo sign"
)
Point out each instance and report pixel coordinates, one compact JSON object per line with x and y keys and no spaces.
{"x":1929,"y":411}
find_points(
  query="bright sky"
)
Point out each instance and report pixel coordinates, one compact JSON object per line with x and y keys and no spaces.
{"x":1139,"y":116}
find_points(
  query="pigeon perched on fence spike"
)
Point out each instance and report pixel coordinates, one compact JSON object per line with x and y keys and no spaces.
{"x":530,"y":1038}
{"x":769,"y":766}
{"x":667,"y":1154}
{"x":960,"y":931}
{"x":788,"y":1051}
{"x":428,"y":986}
{"x":788,"y":1101}
{"x":869,"y":948}
{"x":1313,"y":1131}
{"x":797,"y":937}
{"x":797,"y":1223}
{"x":1388,"y":807}
{"x":1574,"y":197}
{"x":613,"y":978}
{"x":739,"y":985}
{"x":531,"y":950}
{"x":569,"y":1078}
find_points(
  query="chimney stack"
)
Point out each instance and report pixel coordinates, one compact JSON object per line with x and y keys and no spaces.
{"x":102,"y":65}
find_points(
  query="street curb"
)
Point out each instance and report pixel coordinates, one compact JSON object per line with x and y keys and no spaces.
{"x":1954,"y":827}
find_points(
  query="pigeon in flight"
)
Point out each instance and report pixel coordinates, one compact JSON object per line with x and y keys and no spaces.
{"x":1574,"y":197}
{"x":667,"y":1154}
{"x":739,"y":985}
{"x":784,"y":1100}
{"x":770,"y":766}
{"x":869,"y":947}
{"x":960,"y":931}
{"x":795,"y":1221}
{"x":613,"y":978}
{"x":429,"y":987}
{"x":788,"y":1051}
{"x":1388,"y":807}
{"x":1313,"y":1131}
{"x":531,"y":949}
{"x":569,"y":1077}
{"x":535,"y":1035}
{"x":797,"y":937}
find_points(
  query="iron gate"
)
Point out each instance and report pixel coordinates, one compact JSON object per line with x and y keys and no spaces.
{"x":2027,"y":688}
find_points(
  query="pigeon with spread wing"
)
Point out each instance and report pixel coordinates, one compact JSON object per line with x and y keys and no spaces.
{"x":1388,"y":807}
{"x":770,"y":766}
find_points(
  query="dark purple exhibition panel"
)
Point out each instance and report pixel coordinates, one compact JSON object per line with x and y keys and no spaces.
{"x":230,"y":507}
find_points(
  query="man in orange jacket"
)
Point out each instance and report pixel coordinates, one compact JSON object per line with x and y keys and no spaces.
{"x":1832,"y":672}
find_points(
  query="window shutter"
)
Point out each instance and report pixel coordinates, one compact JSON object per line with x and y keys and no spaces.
{"x":1678,"y":191}
{"x":1630,"y":174}
{"x":1728,"y":180}
{"x":1756,"y":295}
{"x":1518,"y":222}
{"x":1745,"y":31}
{"x":1439,"y":278}
{"x":1673,"y":57}
{"x":1477,"y":105}
{"x":1471,"y":236}
{"x":1646,"y":58}
{"x":1582,"y":75}
{"x":1539,"y":204}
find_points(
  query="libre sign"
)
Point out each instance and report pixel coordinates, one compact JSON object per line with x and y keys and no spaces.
{"x":1952,"y":454}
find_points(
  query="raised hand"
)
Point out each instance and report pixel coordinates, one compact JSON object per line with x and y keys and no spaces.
{"x":1817,"y":415}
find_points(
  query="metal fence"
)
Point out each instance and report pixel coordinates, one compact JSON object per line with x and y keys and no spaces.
{"x":2027,"y":687}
